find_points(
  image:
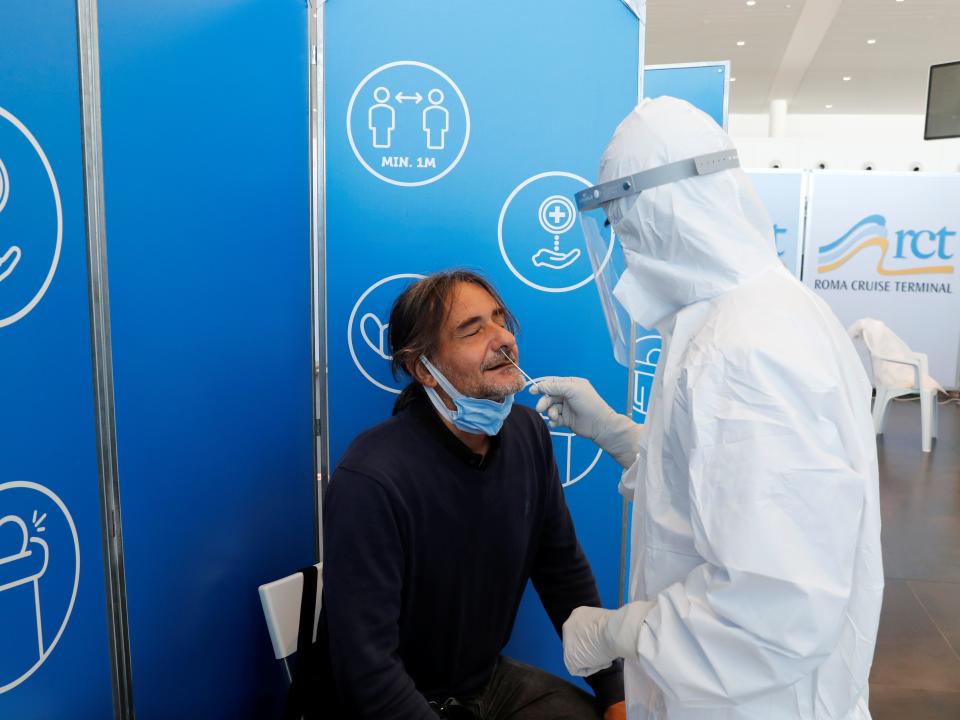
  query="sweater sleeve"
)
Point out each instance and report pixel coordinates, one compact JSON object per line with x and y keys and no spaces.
{"x":563,"y":578}
{"x":362,"y":582}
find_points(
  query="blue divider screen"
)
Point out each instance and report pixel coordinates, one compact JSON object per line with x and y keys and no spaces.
{"x":702,"y":85}
{"x":457,"y":138}
{"x":783,"y":192}
{"x":206,"y":155}
{"x":54,"y":659}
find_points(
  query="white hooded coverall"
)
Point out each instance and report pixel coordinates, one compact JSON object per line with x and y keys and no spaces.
{"x":756,"y":576}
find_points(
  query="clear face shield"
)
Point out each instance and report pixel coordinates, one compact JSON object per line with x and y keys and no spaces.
{"x":597,"y":234}
{"x":596,"y":229}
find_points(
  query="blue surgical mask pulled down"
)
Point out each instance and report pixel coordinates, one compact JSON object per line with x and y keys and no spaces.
{"x":473,"y":415}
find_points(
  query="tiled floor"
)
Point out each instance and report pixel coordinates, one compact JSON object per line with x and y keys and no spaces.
{"x":916,"y":670}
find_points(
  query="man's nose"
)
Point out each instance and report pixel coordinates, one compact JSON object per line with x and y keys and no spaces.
{"x":503,"y":337}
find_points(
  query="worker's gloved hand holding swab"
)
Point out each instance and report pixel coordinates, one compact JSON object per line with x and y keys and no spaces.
{"x":573,"y":403}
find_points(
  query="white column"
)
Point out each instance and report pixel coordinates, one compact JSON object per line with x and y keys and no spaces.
{"x":778,"y":118}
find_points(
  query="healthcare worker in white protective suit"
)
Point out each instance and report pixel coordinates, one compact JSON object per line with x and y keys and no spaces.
{"x":756,"y":576}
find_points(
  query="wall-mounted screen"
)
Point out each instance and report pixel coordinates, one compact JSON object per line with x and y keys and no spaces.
{"x":943,"y":102}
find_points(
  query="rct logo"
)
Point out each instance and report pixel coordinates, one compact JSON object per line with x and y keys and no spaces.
{"x":910,"y":247}
{"x":777,"y":232}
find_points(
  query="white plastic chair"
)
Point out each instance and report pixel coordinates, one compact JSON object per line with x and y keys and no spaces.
{"x":921,"y":383}
{"x":281,"y":608}
{"x":929,"y":410}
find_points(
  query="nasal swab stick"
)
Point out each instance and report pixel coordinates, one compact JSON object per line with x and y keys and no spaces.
{"x":510,"y":360}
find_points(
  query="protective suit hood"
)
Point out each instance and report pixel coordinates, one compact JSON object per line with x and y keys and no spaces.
{"x":689,"y":240}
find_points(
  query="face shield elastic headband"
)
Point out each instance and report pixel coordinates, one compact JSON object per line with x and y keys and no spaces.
{"x":594,"y":197}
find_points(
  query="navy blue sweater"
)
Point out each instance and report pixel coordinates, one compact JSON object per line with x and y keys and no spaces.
{"x":427,"y":550}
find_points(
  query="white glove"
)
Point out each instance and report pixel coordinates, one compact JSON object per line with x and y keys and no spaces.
{"x":593,"y":637}
{"x":585,"y":649}
{"x":573,"y":403}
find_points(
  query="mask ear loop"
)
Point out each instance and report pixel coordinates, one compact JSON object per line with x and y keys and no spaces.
{"x":445,"y":384}
{"x":434,"y":396}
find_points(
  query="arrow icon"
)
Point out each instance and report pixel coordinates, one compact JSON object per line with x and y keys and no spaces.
{"x":418,"y":98}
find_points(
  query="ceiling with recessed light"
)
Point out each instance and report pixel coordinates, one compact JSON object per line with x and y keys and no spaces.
{"x":801,"y":50}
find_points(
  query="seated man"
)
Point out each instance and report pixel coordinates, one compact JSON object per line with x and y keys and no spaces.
{"x":434,"y":521}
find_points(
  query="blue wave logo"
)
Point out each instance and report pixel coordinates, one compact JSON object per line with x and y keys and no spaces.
{"x":871,"y":232}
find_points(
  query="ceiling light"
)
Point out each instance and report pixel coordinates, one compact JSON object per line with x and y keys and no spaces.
{"x":751,"y":3}
{"x":741,"y":43}
{"x":847,"y":78}
{"x":871,"y":41}
{"x":828,"y":107}
{"x":733,"y":79}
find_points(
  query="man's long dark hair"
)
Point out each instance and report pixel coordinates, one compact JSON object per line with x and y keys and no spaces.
{"x":417,"y":319}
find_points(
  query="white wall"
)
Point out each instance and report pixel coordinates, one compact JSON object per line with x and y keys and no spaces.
{"x":844,"y":142}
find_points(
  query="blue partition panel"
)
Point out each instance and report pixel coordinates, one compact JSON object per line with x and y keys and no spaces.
{"x":783,"y":192}
{"x":701,"y":84}
{"x":206,"y":156}
{"x":706,"y":86}
{"x":457,"y":138}
{"x":54,"y":658}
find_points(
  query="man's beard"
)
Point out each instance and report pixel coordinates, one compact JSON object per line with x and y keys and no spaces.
{"x":499,"y":390}
{"x":485,"y":390}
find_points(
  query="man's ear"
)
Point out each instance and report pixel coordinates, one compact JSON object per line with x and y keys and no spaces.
{"x":418,"y":371}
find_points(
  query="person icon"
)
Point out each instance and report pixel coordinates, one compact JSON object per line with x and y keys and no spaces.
{"x":436,"y":120}
{"x":381,"y":119}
